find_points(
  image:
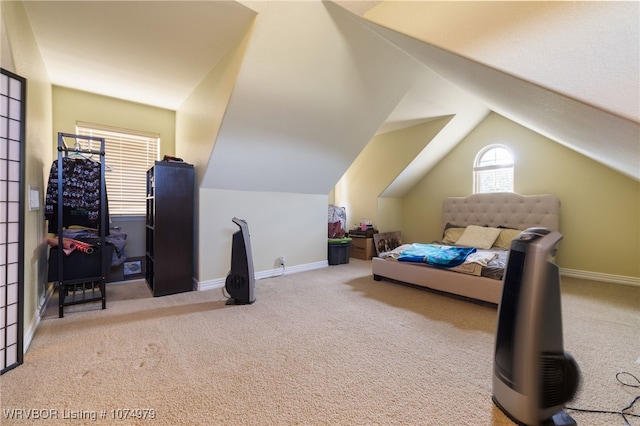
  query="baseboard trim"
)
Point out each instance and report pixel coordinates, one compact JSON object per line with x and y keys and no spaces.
{"x":270,"y":273}
{"x":29,"y":333}
{"x":208,"y":285}
{"x":598,"y":276}
{"x":574,"y":273}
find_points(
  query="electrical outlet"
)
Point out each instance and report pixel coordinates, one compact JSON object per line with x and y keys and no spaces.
{"x":281,"y":260}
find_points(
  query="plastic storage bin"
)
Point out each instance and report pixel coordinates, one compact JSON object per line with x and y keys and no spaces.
{"x":339,"y":250}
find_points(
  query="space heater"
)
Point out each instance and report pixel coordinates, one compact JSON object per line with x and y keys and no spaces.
{"x":240,"y":282}
{"x":533,"y":377}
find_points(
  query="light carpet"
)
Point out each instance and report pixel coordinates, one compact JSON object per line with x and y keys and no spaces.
{"x":325,"y":347}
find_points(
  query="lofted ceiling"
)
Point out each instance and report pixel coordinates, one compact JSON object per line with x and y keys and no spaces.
{"x":318,"y":74}
{"x":150,"y":52}
{"x":312,"y":92}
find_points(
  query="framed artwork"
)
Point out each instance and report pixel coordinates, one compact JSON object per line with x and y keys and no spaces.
{"x":133,"y":268}
{"x":387,"y":241}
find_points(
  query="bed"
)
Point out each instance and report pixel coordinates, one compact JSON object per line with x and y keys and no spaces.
{"x":509,"y":212}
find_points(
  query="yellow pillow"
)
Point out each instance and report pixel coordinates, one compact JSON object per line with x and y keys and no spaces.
{"x":481,"y":237}
{"x":451,"y":235}
{"x":504,"y":239}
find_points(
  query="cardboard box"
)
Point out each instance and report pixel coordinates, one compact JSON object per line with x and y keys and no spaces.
{"x":360,"y":233}
{"x":362,"y":248}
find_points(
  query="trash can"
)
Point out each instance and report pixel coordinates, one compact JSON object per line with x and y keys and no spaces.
{"x":339,"y":250}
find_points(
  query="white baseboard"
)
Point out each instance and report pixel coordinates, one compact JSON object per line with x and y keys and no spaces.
{"x":30,"y":331}
{"x":270,"y":273}
{"x":574,"y":273}
{"x":292,"y":270}
{"x":208,"y":285}
{"x":597,"y":276}
{"x":27,"y":336}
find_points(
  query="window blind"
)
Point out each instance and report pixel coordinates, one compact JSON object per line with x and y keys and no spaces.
{"x":128,"y":156}
{"x":494,"y":180}
{"x":493,"y":170}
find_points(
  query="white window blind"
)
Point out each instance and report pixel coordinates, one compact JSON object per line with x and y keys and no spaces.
{"x":128,"y":156}
{"x":493,"y":170}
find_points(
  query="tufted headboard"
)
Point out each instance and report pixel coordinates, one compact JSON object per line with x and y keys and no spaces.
{"x":506,"y":209}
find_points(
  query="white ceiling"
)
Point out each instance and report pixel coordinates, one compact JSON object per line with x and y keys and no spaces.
{"x":559,"y":68}
{"x":311,"y":64}
{"x":151,"y":52}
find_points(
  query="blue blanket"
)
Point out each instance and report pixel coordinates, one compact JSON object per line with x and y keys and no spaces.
{"x":436,"y":255}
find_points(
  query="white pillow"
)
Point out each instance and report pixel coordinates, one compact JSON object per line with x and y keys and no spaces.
{"x":481,"y":237}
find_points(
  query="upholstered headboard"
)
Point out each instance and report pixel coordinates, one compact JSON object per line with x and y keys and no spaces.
{"x":505,"y":209}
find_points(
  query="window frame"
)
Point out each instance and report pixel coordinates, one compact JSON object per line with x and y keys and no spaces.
{"x":492,"y":169}
{"x":126,"y":166}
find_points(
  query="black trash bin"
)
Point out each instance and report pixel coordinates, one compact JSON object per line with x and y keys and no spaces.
{"x":339,"y":250}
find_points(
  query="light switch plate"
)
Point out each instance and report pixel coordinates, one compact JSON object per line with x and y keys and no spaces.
{"x":34,"y":199}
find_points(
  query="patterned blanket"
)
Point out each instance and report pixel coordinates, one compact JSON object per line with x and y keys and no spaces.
{"x":436,"y":255}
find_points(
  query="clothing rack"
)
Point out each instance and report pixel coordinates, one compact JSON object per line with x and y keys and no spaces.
{"x":81,"y":290}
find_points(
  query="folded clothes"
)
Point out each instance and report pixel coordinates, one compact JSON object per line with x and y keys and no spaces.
{"x":116,"y":237}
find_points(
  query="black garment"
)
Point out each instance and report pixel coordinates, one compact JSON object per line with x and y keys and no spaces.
{"x":80,"y":196}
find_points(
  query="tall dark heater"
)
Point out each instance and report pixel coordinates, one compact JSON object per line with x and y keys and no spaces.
{"x":532,"y":375}
{"x":240,"y":283}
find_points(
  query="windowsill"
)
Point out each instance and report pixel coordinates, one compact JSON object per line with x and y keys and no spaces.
{"x":127,"y":218}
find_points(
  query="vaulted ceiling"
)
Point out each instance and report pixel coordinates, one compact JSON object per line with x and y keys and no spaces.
{"x":320,"y":79}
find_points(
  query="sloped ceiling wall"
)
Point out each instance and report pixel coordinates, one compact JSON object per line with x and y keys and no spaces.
{"x":150,"y":52}
{"x":321,"y":78}
{"x":316,"y":86}
{"x":585,"y":50}
{"x":558,"y":68}
{"x":313,"y":90}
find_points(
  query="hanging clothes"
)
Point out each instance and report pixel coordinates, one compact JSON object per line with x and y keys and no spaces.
{"x":80,"y":197}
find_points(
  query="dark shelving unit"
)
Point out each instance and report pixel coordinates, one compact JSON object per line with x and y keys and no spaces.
{"x":169,"y":228}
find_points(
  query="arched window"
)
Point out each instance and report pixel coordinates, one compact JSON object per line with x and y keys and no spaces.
{"x":493,"y":170}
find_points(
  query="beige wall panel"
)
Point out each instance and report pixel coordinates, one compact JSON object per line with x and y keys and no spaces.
{"x":384,"y":157}
{"x":27,"y":62}
{"x":71,"y":106}
{"x":600,"y":208}
{"x":280,"y":224}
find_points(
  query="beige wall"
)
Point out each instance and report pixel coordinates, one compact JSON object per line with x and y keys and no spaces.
{"x":600,"y":213}
{"x":379,"y":163}
{"x":390,"y":214}
{"x":280,"y":224}
{"x":24,"y":59}
{"x":199,"y":118}
{"x":70,"y":106}
{"x":198,"y":121}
